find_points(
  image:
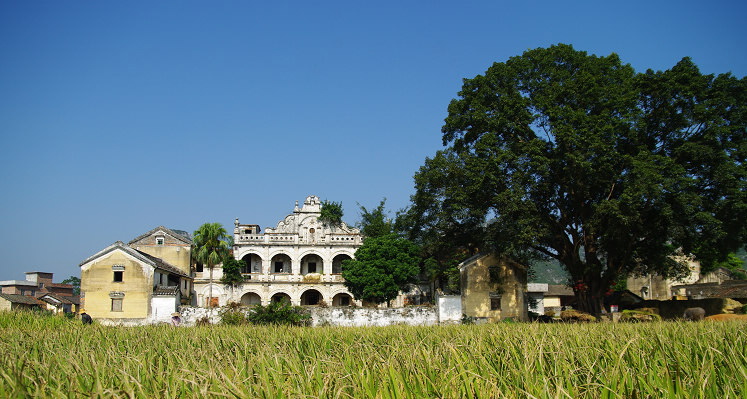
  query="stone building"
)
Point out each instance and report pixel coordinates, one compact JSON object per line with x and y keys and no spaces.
{"x":299,"y":260}
{"x":139,"y":282}
{"x":653,"y":286}
{"x":36,"y":285}
{"x":493,"y":288}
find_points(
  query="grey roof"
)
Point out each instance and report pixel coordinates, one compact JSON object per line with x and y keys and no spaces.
{"x":166,"y":290}
{"x":178,"y":234}
{"x":558,"y":290}
{"x":157,"y":263}
{"x":19,"y":282}
{"x":24,"y":299}
{"x":51,"y":298}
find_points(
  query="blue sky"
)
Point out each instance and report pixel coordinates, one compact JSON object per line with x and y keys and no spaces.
{"x":117,"y":117}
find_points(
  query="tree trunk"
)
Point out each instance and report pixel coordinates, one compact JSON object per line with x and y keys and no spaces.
{"x":210,"y":289}
{"x":589,"y":294}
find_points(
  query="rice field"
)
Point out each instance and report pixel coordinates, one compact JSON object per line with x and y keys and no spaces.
{"x":54,"y":357}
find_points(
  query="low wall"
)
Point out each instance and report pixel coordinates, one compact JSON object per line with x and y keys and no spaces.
{"x":338,"y":316}
{"x":359,"y":317}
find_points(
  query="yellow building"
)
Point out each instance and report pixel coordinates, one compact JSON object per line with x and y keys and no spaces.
{"x":493,"y":288}
{"x":128,"y":284}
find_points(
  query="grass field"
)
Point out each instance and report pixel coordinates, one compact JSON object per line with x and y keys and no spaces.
{"x":55,"y":357}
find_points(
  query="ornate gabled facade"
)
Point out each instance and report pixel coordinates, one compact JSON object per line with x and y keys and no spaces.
{"x":299,"y":260}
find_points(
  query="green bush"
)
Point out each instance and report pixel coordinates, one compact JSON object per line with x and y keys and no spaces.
{"x":639,"y":315}
{"x":278,"y":313}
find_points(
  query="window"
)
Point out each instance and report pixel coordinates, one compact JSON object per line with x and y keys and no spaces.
{"x":116,"y":304}
{"x":495,"y":303}
{"x":198,"y":267}
{"x":159,"y":240}
{"x":312,"y":267}
{"x":278,"y":267}
{"x":118,"y":277}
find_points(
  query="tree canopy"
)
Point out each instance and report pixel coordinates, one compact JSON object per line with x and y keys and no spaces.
{"x":375,"y":223}
{"x":576,"y":157}
{"x":232,"y":271}
{"x":331,"y":213}
{"x":75,"y":282}
{"x":382,"y":267}
{"x":210,"y":247}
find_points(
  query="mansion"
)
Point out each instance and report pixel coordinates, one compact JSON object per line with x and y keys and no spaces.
{"x":299,"y":260}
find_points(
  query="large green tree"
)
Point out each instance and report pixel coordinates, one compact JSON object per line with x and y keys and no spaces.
{"x":210,"y":248}
{"x":375,"y":222}
{"x":382,"y":267}
{"x":579,"y":158}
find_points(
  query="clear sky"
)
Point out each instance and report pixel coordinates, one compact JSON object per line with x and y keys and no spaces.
{"x":117,"y":117}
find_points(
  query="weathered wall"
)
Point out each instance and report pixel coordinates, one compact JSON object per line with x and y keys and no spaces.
{"x":359,"y":317}
{"x":477,"y":289}
{"x":449,"y":309}
{"x":339,"y":316}
{"x":97,"y":283}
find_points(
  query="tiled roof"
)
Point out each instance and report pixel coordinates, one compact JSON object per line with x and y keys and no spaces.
{"x":27,"y":300}
{"x":166,"y":290}
{"x":178,"y":234}
{"x":59,"y":299}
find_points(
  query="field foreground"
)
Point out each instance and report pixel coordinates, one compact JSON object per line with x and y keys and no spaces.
{"x":54,"y":357}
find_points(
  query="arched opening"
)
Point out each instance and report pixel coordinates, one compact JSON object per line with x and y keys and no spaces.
{"x":253,"y":263}
{"x":312,"y":264}
{"x":342,"y":300}
{"x":281,"y":297}
{"x":337,"y":263}
{"x":311,"y":297}
{"x":280,"y":263}
{"x":250,"y":299}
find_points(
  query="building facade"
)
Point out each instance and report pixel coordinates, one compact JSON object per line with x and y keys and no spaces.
{"x":299,"y":260}
{"x":129,"y":283}
{"x":493,"y":288}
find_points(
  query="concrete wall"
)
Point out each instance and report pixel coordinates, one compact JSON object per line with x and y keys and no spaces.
{"x":97,"y":284}
{"x":449,"y":309}
{"x":340,"y":316}
{"x":360,"y":317}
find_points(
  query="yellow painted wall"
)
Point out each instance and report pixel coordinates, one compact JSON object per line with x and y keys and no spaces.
{"x":175,"y":255}
{"x":97,"y":282}
{"x":476,"y":289}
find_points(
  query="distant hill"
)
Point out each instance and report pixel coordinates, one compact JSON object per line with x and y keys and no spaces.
{"x":549,"y":272}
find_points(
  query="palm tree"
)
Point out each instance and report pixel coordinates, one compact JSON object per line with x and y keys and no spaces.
{"x":210,"y":248}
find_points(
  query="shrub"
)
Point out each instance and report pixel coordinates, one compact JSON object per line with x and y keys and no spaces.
{"x":639,"y":316}
{"x":279,"y":313}
{"x":576,"y":316}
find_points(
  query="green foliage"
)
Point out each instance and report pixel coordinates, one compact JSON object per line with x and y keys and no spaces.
{"x":280,"y":312}
{"x":375,"y":223}
{"x":331,"y":213}
{"x":232,"y":315}
{"x":75,"y":282}
{"x":232,"y":271}
{"x":210,"y":244}
{"x":580,"y":159}
{"x":382,"y":267}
